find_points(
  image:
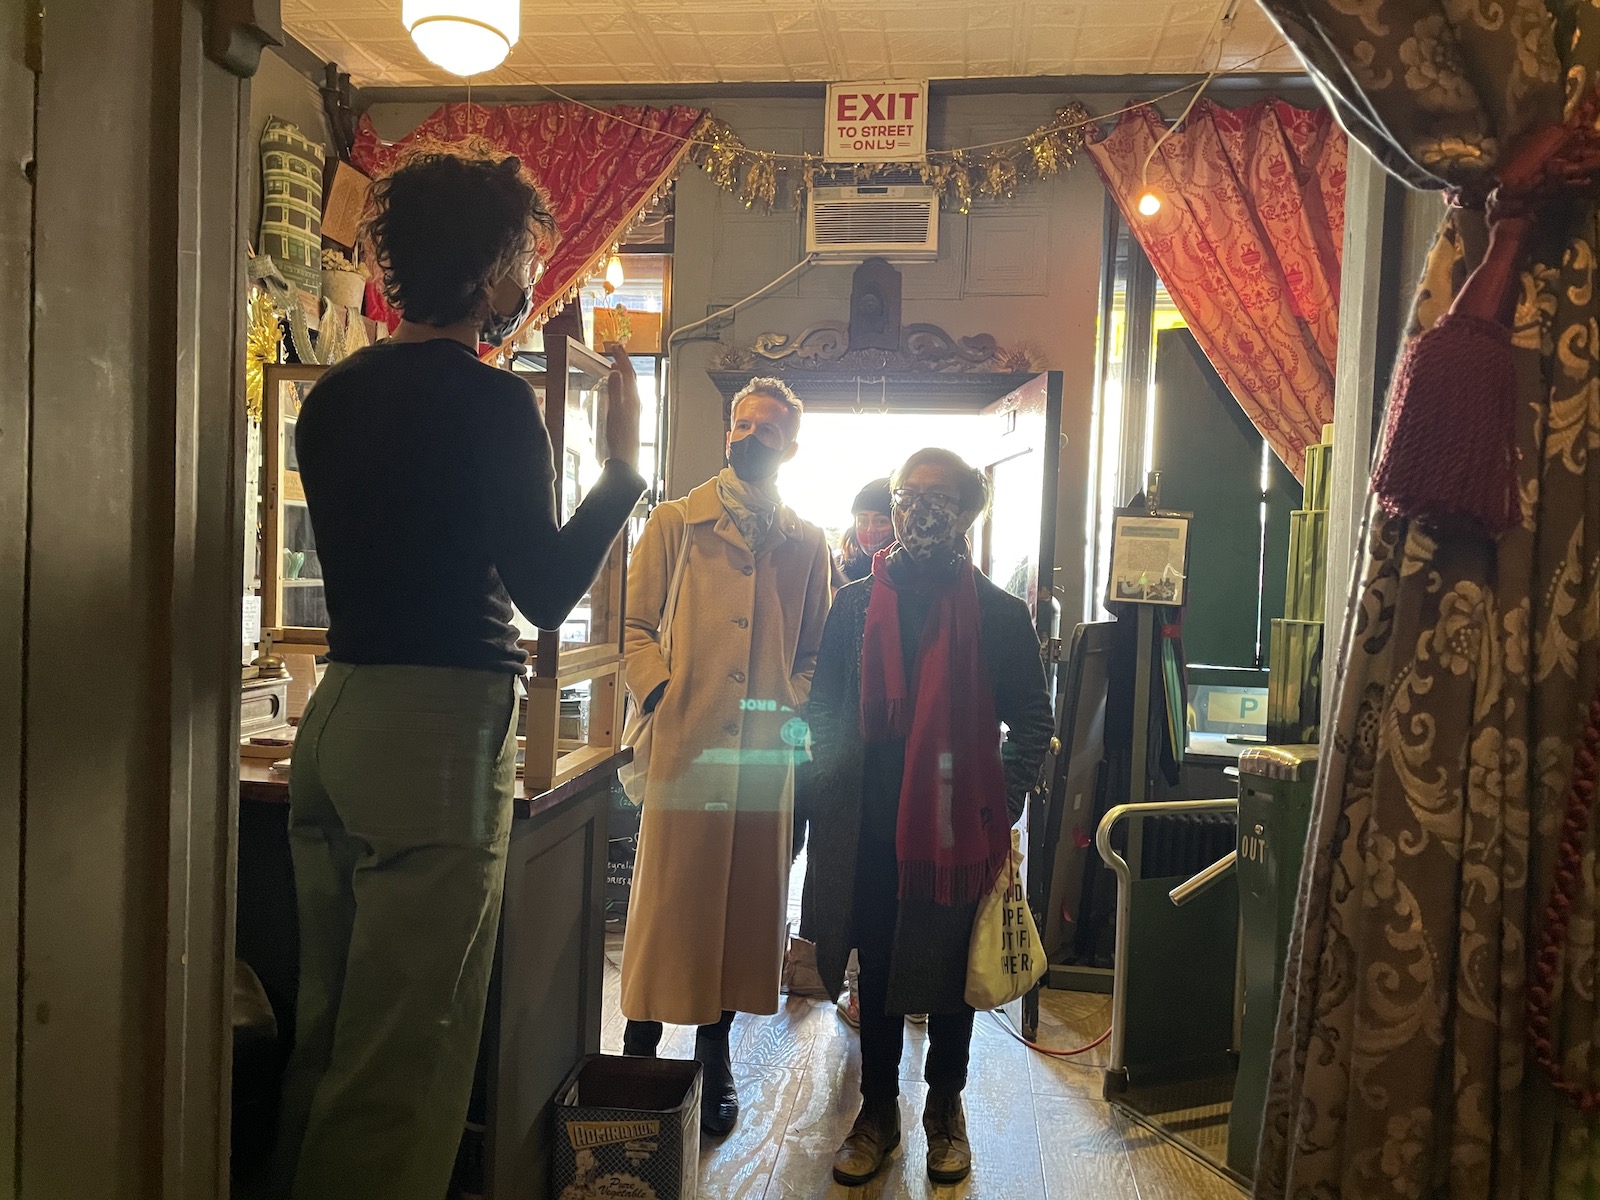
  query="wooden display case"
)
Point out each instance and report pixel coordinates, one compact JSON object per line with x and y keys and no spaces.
{"x":294,"y":610}
{"x":576,"y":696}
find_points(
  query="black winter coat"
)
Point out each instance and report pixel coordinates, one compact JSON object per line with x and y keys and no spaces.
{"x":930,"y":948}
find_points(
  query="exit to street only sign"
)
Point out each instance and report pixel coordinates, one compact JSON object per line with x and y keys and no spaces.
{"x":876,"y":122}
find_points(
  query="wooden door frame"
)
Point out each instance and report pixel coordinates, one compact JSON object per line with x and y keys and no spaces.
{"x":1049,"y":497}
{"x":121,"y":543}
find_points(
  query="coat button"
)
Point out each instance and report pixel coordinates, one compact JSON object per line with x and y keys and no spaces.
{"x":730,"y":729}
{"x":749,"y":570}
{"x":742,"y":622}
{"x":736,"y":676}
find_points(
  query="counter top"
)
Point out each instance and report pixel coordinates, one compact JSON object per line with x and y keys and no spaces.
{"x":260,"y":784}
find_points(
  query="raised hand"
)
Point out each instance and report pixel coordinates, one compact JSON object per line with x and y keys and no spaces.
{"x":622,"y":409}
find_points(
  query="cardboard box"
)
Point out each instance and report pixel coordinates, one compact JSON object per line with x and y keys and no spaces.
{"x":628,"y":1129}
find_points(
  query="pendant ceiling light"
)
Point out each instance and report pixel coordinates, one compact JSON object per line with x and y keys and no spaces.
{"x":465,"y":37}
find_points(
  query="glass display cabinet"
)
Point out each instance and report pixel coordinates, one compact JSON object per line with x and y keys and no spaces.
{"x":294,"y":609}
{"x":576,"y":695}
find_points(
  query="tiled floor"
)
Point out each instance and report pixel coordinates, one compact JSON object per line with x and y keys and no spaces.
{"x":1038,"y":1125}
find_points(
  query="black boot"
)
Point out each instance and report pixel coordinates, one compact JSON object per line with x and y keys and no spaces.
{"x":719,"y":1100}
{"x":640,"y":1038}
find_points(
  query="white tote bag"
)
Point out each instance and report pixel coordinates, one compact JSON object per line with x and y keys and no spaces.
{"x":641,"y":725}
{"x":1005,"y":958}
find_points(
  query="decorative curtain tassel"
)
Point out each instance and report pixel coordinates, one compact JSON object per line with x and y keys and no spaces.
{"x":1449,"y":445}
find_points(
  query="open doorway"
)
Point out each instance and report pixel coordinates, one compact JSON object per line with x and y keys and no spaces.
{"x":841,"y":450}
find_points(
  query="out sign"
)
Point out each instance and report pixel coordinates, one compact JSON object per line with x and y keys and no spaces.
{"x":876,"y":122}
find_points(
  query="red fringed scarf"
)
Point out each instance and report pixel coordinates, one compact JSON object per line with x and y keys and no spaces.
{"x":954,"y":833}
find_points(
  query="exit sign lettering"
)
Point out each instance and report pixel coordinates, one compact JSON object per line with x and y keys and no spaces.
{"x":876,"y":122}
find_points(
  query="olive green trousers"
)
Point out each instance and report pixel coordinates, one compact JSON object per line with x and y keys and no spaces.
{"x":400,"y":814}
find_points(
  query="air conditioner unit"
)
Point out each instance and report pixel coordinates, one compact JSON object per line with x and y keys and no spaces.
{"x":899,"y":222}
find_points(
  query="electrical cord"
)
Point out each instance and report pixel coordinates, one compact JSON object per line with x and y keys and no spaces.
{"x":1224,"y":18}
{"x":1005,"y":1023}
{"x":677,"y":333}
{"x":665,"y":450}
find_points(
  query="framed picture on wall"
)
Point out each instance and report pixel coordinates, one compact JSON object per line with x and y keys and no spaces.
{"x":1149,"y":557}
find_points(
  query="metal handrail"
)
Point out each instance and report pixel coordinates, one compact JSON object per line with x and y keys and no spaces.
{"x":1124,"y":874}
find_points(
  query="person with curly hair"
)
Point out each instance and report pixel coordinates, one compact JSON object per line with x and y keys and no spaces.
{"x":431,"y":488}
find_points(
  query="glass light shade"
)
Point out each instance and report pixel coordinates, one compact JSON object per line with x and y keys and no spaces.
{"x":614,"y":273}
{"x":465,"y":37}
{"x":1149,"y":204}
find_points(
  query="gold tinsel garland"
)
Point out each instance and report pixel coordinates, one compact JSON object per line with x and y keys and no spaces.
{"x":993,"y":172}
{"x":261,"y":348}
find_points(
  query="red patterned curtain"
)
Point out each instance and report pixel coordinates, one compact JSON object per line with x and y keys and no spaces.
{"x":1247,"y":241}
{"x":601,"y":171}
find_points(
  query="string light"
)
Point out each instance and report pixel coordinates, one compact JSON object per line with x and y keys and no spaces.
{"x":1149,"y":203}
{"x":614,"y":277}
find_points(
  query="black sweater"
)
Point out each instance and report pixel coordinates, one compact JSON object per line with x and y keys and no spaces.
{"x":431,"y":487}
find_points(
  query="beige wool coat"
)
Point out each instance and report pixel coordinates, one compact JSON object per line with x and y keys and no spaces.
{"x":707,"y":919}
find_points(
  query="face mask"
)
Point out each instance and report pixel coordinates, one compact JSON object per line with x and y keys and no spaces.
{"x":929,"y":528}
{"x":753,"y":460}
{"x":501,"y":326}
{"x":874,"y":540}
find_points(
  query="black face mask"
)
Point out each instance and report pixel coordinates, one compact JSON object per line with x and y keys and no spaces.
{"x":753,"y":460}
{"x":501,"y":326}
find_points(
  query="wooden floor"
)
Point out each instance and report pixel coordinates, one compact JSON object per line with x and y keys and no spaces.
{"x":1038,"y":1125}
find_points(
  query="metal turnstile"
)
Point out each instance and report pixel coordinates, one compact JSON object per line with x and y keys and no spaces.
{"x":1275,"y":792}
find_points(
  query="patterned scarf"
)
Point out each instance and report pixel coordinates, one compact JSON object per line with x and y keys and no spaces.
{"x":753,"y":508}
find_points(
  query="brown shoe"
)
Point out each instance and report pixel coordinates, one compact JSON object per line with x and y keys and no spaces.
{"x":873,"y":1139}
{"x":949,"y":1152}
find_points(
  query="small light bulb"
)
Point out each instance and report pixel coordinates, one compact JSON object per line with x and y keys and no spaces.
{"x":614,"y":273}
{"x":1149,"y":204}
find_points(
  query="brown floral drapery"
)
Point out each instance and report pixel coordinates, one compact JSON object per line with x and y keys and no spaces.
{"x":1400,"y":1068}
{"x":1248,"y":243}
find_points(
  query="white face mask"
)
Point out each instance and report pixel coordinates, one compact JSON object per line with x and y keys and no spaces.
{"x":508,"y":309}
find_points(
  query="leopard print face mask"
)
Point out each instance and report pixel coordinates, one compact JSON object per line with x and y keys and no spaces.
{"x":929,"y":528}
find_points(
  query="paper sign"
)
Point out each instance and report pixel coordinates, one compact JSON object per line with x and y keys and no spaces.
{"x":345,"y":206}
{"x":252,"y":620}
{"x":1149,"y":559}
{"x":876,"y":122}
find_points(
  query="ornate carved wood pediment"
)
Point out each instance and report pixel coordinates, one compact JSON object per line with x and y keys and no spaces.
{"x":872,"y":361}
{"x":826,"y":347}
{"x":883,"y":391}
